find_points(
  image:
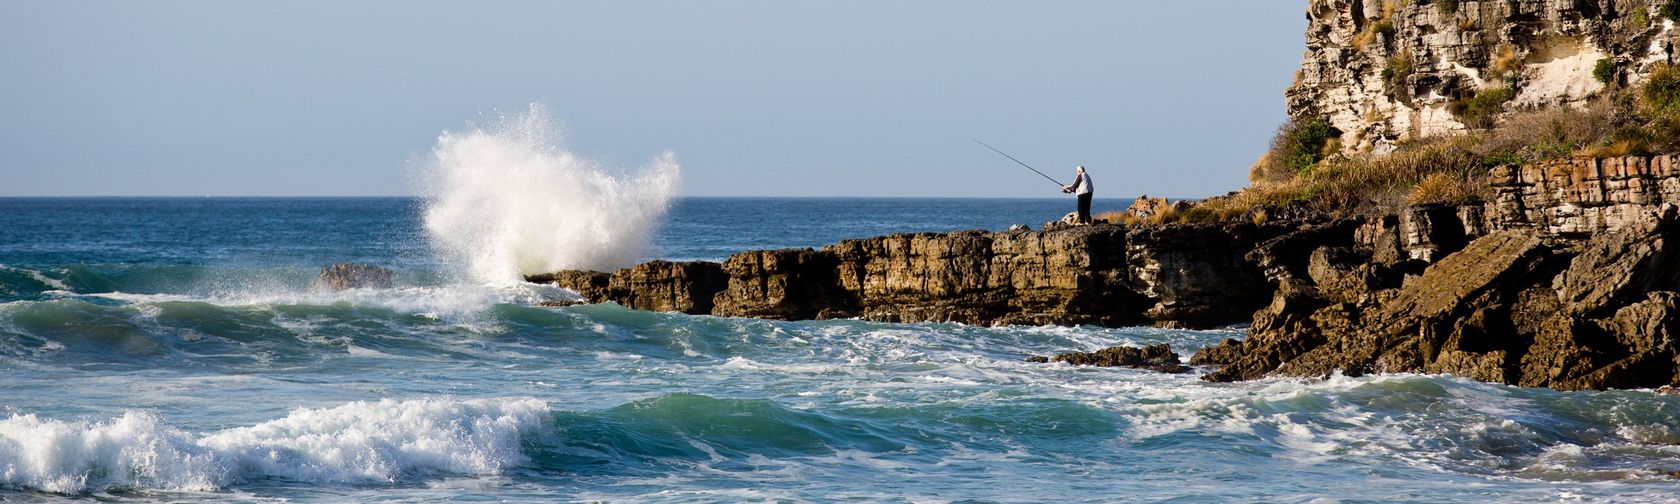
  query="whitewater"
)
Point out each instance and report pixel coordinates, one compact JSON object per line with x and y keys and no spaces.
{"x":173,"y":350}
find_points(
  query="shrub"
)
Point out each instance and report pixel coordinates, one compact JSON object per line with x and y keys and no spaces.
{"x":1641,"y":18}
{"x":1661,"y":91}
{"x":1298,"y":146}
{"x":1625,"y":141}
{"x":1399,"y":68}
{"x":1479,"y":111}
{"x":1671,"y":10}
{"x":1605,"y":70}
{"x":1383,"y":27}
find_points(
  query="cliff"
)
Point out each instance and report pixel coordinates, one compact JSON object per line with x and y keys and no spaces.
{"x":1385,"y":71}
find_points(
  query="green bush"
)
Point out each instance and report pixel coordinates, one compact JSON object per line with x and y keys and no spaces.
{"x":1480,"y":110}
{"x":1300,"y":146}
{"x":1386,"y":28}
{"x":1662,"y":90}
{"x":1671,"y":10}
{"x":1605,"y":70}
{"x":1399,"y":68}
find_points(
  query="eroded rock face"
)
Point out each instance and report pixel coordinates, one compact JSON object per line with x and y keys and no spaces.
{"x":794,"y":284}
{"x":1101,"y":275}
{"x":1382,"y":71}
{"x":1198,"y":273}
{"x":687,"y":287}
{"x":354,"y":276}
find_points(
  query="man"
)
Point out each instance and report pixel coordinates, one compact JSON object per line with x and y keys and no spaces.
{"x":1081,"y":186}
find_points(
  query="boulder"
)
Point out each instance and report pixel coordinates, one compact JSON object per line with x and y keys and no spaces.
{"x":354,"y":276}
{"x":1221,"y":354}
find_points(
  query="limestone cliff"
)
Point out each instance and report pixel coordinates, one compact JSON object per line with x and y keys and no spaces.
{"x":1383,"y":71}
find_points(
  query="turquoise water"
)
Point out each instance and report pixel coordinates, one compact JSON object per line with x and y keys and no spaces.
{"x":171,"y":349}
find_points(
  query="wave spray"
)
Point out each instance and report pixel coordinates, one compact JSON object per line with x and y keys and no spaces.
{"x":507,"y":201}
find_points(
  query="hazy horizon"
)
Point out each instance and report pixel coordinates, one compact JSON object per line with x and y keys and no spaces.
{"x":755,"y":99}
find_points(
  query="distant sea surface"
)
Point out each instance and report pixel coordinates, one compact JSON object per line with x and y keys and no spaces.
{"x":173,"y":350}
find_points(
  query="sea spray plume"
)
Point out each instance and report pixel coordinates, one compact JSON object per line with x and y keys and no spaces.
{"x":508,"y":201}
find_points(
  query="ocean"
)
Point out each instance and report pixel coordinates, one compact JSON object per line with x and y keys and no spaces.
{"x":173,"y":350}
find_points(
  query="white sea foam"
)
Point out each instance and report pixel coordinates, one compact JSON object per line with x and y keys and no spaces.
{"x":356,"y":442}
{"x":507,"y":200}
{"x":442,"y":302}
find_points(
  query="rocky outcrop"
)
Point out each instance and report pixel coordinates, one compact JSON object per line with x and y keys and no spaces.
{"x":1182,"y":276}
{"x":1384,"y":71}
{"x":1569,"y":278}
{"x":1154,"y":357}
{"x":1516,"y":306}
{"x":353,"y":276}
{"x":687,"y":287}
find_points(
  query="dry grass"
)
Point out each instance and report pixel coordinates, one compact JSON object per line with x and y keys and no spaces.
{"x":1446,"y":188}
{"x":1504,"y":61}
{"x":1435,"y":170}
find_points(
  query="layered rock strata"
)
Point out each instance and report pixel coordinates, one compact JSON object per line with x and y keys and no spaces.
{"x":1181,"y":276}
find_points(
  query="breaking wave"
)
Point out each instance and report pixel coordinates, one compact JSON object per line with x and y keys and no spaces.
{"x":353,"y":443}
{"x":508,"y":200}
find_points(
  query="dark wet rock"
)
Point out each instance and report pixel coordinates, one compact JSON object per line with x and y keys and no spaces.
{"x":591,"y":285}
{"x":1198,"y":275}
{"x":687,"y":287}
{"x":1226,"y":352}
{"x":354,"y":276}
{"x":1154,"y":357}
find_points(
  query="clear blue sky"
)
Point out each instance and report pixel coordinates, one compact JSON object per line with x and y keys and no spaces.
{"x":757,"y":98}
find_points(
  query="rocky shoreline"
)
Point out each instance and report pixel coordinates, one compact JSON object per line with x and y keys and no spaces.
{"x":1568,"y":278}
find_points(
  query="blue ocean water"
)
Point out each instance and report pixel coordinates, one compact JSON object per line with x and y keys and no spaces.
{"x":173,"y":350}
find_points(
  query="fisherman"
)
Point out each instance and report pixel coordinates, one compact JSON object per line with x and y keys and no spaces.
{"x":1081,"y":186}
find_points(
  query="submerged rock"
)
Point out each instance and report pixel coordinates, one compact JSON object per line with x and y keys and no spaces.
{"x":1154,"y":357}
{"x":354,"y":276}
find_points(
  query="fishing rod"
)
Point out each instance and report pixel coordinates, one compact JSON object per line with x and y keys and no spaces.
{"x":1017,"y":161}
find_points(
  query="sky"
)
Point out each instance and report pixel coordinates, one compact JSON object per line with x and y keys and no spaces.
{"x":755,"y":98}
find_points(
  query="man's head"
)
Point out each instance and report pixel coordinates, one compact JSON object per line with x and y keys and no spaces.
{"x":1079,"y":169}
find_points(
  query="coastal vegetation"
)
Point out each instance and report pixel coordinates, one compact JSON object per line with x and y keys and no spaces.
{"x":1306,"y":170}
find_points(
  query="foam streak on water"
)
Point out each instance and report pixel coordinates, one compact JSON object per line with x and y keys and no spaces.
{"x":506,"y":200}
